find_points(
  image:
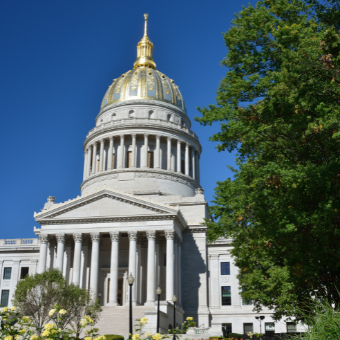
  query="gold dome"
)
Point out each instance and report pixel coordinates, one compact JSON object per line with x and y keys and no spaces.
{"x":144,"y":81}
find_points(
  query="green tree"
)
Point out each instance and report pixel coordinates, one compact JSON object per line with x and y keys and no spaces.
{"x":38,"y":294}
{"x":278,"y":107}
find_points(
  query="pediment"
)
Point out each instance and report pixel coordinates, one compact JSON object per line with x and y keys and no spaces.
{"x":105,"y":204}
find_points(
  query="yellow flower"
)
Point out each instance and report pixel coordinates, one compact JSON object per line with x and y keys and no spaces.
{"x":5,"y":309}
{"x":46,"y":332}
{"x":16,"y":337}
{"x":34,"y":337}
{"x":51,"y":312}
{"x":135,"y":336}
{"x":88,"y":338}
{"x":13,"y":309}
{"x":144,"y":321}
{"x":147,"y":334}
{"x":26,"y":318}
{"x":8,"y":337}
{"x":157,"y":336}
{"x":48,"y":326}
{"x":62,"y":311}
{"x":189,"y":318}
{"x":22,"y":331}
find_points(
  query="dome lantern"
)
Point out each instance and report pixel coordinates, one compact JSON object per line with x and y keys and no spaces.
{"x":145,"y":49}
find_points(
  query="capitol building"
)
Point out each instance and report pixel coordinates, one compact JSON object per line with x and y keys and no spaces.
{"x":141,"y":211}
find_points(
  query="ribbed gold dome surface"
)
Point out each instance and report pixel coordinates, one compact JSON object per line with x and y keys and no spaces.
{"x":144,"y":83}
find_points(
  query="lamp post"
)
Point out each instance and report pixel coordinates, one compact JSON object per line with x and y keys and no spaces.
{"x":174,"y":299}
{"x":131,"y":280}
{"x":260,"y":318}
{"x":158,"y":292}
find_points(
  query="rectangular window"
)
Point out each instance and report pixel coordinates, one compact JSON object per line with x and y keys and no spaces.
{"x":7,"y":273}
{"x":24,"y":272}
{"x":225,"y":268}
{"x":150,"y":159}
{"x":247,"y":327}
{"x":226,"y":329}
{"x":269,"y":327}
{"x":291,"y":327}
{"x":226,"y":296}
{"x":4,"y":298}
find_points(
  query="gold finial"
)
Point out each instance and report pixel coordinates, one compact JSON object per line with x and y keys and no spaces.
{"x":145,"y":49}
{"x":145,"y":24}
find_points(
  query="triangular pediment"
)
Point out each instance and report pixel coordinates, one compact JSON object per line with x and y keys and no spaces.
{"x":105,"y":204}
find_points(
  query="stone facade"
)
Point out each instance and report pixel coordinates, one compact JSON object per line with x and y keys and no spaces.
{"x":140,"y":211}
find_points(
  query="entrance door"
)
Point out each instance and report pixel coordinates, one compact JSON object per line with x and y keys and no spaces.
{"x":120,"y":292}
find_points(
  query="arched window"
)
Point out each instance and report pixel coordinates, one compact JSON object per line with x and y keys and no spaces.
{"x":113,"y":116}
{"x":168,"y":117}
{"x":131,"y":114}
{"x":151,"y":114}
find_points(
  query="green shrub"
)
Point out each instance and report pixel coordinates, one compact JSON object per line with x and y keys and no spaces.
{"x":113,"y":337}
{"x":236,"y":336}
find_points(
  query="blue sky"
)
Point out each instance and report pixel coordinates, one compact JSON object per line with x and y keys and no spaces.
{"x":57,"y":60}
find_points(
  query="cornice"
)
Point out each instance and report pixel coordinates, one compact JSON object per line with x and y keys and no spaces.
{"x":141,"y":173}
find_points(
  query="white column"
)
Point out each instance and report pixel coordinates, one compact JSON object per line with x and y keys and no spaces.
{"x":146,"y":147}
{"x":109,"y":158}
{"x":121,"y":154}
{"x":101,"y":156}
{"x":197,"y":167}
{"x":157,"y":152}
{"x":1,"y":264}
{"x":214,"y":273}
{"x":150,"y":297}
{"x":179,"y":278}
{"x":157,"y":278}
{"x":175,"y":266}
{"x":14,"y":280}
{"x":187,"y":159}
{"x":88,"y":164}
{"x":50,"y":254}
{"x":43,"y":252}
{"x":83,"y":262}
{"x":67,"y":260}
{"x":94,"y":158}
{"x":168,"y":155}
{"x":85,"y":163}
{"x":193,"y":156}
{"x":169,"y":235}
{"x":139,"y":277}
{"x":77,"y":258}
{"x":60,"y":251}
{"x":132,"y":261}
{"x":133,"y":156}
{"x":179,"y":156}
{"x":114,"y":268}
{"x":95,"y":237}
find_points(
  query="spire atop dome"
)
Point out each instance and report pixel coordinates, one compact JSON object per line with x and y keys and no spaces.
{"x":145,"y":49}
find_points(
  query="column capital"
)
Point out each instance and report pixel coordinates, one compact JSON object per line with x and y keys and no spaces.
{"x":111,"y":138}
{"x":187,"y":145}
{"x":179,"y":141}
{"x":43,"y":238}
{"x":114,"y":235}
{"x":77,"y":237}
{"x":146,"y":135}
{"x":95,"y":237}
{"x":151,"y":234}
{"x":60,"y":238}
{"x":121,"y":136}
{"x":158,"y":136}
{"x":169,"y":234}
{"x":132,"y":235}
{"x":102,"y":140}
{"x":133,"y":135}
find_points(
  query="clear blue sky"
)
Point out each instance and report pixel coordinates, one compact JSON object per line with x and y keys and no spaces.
{"x":58,"y":58}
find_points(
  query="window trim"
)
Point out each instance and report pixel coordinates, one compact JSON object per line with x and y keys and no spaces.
{"x":229,"y":304}
{"x":4,"y":273}
{"x":228,"y":269}
{"x":1,"y":297}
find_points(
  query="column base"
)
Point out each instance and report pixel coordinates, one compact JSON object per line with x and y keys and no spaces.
{"x":112,"y":303}
{"x":150,"y":303}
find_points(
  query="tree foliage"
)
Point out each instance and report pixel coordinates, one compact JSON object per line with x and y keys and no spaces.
{"x":38,"y":294}
{"x":278,"y":107}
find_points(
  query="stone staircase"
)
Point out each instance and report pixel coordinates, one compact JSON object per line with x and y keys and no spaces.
{"x":115,"y":320}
